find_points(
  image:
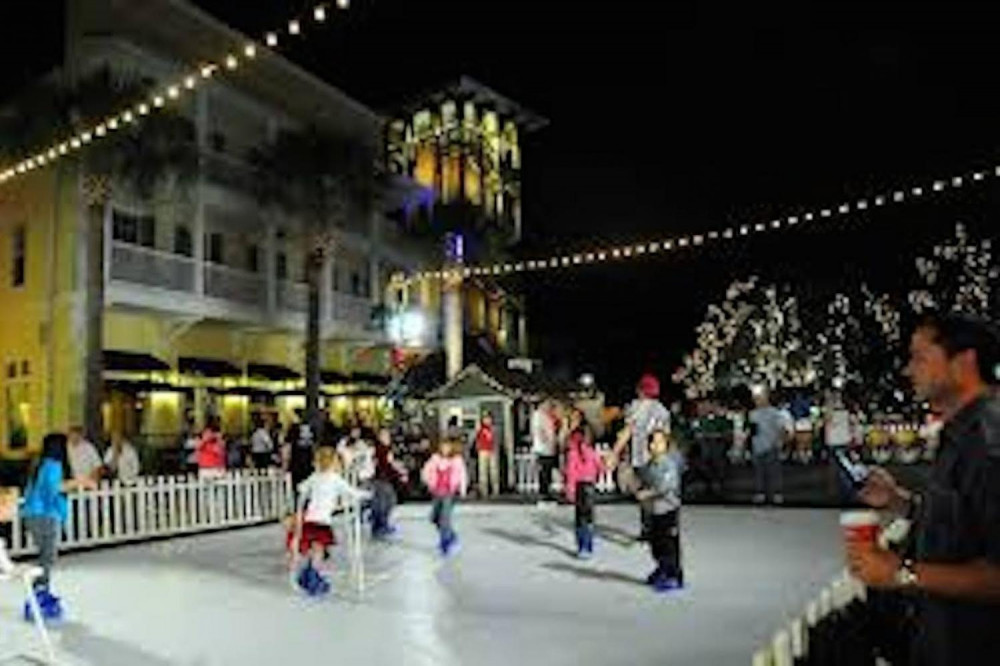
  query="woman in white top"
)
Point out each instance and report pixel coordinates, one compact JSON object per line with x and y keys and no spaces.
{"x":122,"y":460}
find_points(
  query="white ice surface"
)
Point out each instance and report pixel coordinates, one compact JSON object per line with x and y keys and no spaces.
{"x":513,"y":595}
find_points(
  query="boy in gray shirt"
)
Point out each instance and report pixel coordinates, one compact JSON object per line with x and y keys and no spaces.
{"x":660,"y":494}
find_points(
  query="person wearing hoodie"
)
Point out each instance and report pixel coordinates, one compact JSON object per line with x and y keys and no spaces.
{"x":446,"y":478}
{"x":583,"y":467}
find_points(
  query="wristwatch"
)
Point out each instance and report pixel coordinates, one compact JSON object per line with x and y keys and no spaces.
{"x":906,"y":575}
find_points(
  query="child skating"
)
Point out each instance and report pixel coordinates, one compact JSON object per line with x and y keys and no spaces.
{"x":583,"y":467}
{"x":312,"y":534}
{"x":44,"y":512}
{"x":660,"y":493}
{"x":446,"y":478}
{"x":388,"y":475}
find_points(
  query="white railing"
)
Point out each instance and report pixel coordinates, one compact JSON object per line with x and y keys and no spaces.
{"x":353,"y":310}
{"x":157,"y":507}
{"x":235,"y":285}
{"x":526,"y":472}
{"x":293,"y":296}
{"x":154,"y":268}
{"x":791,"y":643}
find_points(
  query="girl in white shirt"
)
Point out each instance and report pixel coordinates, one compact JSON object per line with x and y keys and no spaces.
{"x":320,"y":496}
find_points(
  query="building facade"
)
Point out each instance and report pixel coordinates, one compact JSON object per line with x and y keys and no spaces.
{"x":205,"y":295}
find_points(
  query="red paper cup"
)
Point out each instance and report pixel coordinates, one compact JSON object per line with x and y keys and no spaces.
{"x":860,"y":526}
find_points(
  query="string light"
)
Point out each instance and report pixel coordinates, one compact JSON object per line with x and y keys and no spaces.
{"x":729,"y":233}
{"x":133,"y":113}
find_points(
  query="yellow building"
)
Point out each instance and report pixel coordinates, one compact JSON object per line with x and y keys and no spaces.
{"x":205,"y":298}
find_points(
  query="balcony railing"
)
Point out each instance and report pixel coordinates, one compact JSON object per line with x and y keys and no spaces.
{"x":153,"y":268}
{"x":352,"y":310}
{"x":134,"y":265}
{"x":293,"y":296}
{"x":235,"y":285}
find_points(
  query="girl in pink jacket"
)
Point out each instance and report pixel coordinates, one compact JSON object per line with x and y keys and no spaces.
{"x":446,"y":478}
{"x":583,"y":467}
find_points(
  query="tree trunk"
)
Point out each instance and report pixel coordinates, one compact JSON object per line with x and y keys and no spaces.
{"x":314,"y":273}
{"x":93,"y":417}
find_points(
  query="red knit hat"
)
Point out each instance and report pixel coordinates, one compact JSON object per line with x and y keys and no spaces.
{"x":649,"y":386}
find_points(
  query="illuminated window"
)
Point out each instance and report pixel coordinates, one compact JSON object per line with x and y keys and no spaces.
{"x":18,"y":252}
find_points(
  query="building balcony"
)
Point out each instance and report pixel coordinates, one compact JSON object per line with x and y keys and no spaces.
{"x":142,"y":277}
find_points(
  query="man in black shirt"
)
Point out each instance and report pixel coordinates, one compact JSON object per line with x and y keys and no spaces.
{"x":956,"y":567}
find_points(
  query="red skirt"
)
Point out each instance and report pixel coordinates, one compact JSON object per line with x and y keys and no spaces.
{"x":312,"y":533}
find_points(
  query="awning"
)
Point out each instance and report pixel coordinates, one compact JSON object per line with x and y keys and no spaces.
{"x":207,"y":367}
{"x":369,"y":378}
{"x":137,"y":387}
{"x":125,"y":361}
{"x":271,"y":372}
{"x":334,"y":377}
{"x":250,"y":391}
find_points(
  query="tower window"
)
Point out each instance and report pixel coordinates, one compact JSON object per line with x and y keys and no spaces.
{"x":18,"y":252}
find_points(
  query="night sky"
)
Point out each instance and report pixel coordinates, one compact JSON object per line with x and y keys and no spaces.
{"x":670,"y":117}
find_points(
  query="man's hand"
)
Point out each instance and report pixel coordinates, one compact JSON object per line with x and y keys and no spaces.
{"x":871,"y":565}
{"x":882,"y":492}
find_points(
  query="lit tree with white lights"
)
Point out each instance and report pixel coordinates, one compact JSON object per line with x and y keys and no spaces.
{"x":960,"y":276}
{"x":753,"y":336}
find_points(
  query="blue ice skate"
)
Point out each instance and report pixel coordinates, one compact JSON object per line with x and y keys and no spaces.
{"x":312,"y":582}
{"x":49,"y":605}
{"x":448,"y":544}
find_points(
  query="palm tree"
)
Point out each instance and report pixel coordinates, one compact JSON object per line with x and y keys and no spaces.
{"x":325,"y":180}
{"x":135,"y":160}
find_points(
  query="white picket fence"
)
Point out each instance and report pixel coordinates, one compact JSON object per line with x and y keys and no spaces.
{"x":526,"y":472}
{"x":791,"y":643}
{"x":164,"y":506}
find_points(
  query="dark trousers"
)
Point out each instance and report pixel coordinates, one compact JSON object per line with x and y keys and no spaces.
{"x":767,"y":473}
{"x":585,"y":494}
{"x":665,"y":543}
{"x":262,"y":460}
{"x":383,"y":502}
{"x":546,"y":465}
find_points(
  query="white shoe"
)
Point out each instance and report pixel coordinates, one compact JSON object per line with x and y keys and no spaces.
{"x":778,"y":499}
{"x":759,"y":498}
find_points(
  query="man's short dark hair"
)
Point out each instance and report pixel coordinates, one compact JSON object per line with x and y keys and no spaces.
{"x":956,"y":333}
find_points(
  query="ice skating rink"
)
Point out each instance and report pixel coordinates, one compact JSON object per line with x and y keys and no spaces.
{"x":514,"y":595}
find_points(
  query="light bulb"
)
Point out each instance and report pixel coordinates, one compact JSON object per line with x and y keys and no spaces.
{"x":232,"y":62}
{"x":319,"y":13}
{"x":100,"y":130}
{"x":189,"y":82}
{"x":250,"y":51}
{"x":75,"y":143}
{"x":293,"y":27}
{"x":825,"y":212}
{"x":977,"y":176}
{"x":344,"y":4}
{"x":917,"y":191}
{"x":158,"y":101}
{"x":207,"y":71}
{"x":173,"y":92}
{"x":956,"y":181}
{"x":86,"y":137}
{"x":113,"y":124}
{"x":271,"y":39}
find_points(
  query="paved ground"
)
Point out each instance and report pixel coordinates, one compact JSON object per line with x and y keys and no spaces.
{"x":513,"y":595}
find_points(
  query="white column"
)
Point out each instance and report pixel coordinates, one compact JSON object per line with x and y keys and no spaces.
{"x":108,"y":241}
{"x":453,"y":326}
{"x":522,"y":333}
{"x":198,"y":231}
{"x":327,"y":299}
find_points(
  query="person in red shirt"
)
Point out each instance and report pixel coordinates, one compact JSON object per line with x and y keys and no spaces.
{"x":211,"y":451}
{"x":489,"y":467}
